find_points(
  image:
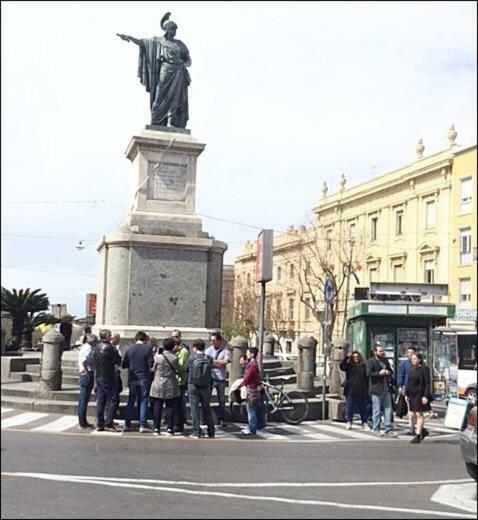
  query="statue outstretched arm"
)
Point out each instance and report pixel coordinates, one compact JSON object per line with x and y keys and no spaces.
{"x":128,"y":38}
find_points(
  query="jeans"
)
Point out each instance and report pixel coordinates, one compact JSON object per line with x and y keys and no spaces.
{"x":138,"y":388}
{"x":105,"y":392}
{"x":220,"y":386}
{"x":171,"y":411}
{"x":86,"y":386}
{"x":379,"y":404}
{"x":114,"y":403}
{"x":256,"y":415}
{"x":356,"y":402}
{"x":199,"y":394}
{"x":181,"y":409}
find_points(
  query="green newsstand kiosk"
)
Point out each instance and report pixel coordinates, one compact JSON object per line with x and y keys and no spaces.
{"x":397,"y":325}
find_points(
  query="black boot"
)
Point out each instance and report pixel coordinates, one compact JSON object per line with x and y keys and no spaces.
{"x":416,"y":439}
{"x":425,"y":433}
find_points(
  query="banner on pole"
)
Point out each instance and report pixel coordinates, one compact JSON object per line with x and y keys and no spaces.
{"x":264,"y":256}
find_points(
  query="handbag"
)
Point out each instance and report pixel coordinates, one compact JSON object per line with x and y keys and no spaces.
{"x":402,"y":407}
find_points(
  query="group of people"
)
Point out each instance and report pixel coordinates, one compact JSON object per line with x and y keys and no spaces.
{"x":159,"y":376}
{"x":368,"y":389}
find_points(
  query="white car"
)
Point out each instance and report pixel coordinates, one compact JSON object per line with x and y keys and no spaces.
{"x":286,"y":356}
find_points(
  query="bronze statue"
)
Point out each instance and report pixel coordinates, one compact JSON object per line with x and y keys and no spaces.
{"x":162,"y":70}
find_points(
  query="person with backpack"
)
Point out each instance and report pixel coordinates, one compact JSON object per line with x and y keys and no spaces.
{"x":165,"y":387}
{"x":199,"y":368}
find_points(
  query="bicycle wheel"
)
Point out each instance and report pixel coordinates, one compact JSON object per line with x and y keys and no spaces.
{"x":294,"y":407}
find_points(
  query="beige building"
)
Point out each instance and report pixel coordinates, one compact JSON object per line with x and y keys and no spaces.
{"x":396,"y":227}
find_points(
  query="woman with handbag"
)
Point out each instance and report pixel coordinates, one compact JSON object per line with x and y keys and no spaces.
{"x":255,"y":399}
{"x":418,"y":395}
{"x":355,"y":388}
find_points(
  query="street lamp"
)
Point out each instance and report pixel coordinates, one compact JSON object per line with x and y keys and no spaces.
{"x":80,"y":246}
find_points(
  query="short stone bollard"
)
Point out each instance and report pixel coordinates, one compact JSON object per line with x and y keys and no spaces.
{"x":339,"y":349}
{"x":268,"y":348}
{"x":238,"y":346}
{"x":50,"y":368}
{"x":305,"y":377}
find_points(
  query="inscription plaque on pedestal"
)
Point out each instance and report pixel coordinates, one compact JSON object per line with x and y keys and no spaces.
{"x":167,"y":181}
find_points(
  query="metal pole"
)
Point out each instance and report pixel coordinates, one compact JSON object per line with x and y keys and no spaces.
{"x":261,"y":325}
{"x":324,"y":350}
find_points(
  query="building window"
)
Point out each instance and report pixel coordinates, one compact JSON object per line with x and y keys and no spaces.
{"x":279,"y":273}
{"x":372,"y":273}
{"x":465,"y":246}
{"x":291,"y":309}
{"x":465,"y":195}
{"x":399,"y":223}
{"x":291,"y":270}
{"x":288,"y":347}
{"x":307,"y":309}
{"x":373,"y":231}
{"x":429,"y":271}
{"x":430,"y":215}
{"x":307,"y":268}
{"x":464,"y":293}
{"x":278,"y":308}
{"x":328,"y":239}
{"x":352,"y":228}
{"x":248,"y":278}
{"x":397,"y":272}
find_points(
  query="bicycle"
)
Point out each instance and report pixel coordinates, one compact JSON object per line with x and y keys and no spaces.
{"x":293,"y":406}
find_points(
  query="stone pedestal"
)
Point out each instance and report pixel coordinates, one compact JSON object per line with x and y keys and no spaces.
{"x":50,"y":365}
{"x":339,"y":349}
{"x":162,"y":270}
{"x":305,"y":377}
{"x":238,"y":348}
{"x":268,"y":348}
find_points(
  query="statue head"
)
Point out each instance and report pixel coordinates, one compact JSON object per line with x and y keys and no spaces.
{"x":168,"y":25}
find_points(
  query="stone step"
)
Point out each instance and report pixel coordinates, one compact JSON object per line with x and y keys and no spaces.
{"x":282,"y":371}
{"x":31,"y":376}
{"x":67,"y":371}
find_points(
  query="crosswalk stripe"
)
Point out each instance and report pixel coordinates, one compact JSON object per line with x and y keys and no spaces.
{"x":6,"y":410}
{"x":59,"y":425}
{"x":345,"y":433}
{"x":114,"y":434}
{"x":306,"y":433}
{"x":23,"y":418}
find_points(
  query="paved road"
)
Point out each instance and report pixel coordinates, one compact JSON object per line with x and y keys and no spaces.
{"x":51,"y":475}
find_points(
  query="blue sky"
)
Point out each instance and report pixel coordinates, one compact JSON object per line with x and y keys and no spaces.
{"x":286,"y":95}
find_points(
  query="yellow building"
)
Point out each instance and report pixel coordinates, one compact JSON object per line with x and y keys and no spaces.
{"x":463,"y":259}
{"x":396,"y":227}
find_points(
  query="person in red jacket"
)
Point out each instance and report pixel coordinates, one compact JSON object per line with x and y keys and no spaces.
{"x":255,"y":402}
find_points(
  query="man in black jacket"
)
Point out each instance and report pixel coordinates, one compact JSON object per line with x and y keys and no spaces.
{"x":105,"y":358}
{"x":379,"y":374}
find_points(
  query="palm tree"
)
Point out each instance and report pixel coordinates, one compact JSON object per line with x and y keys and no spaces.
{"x":34,"y":320}
{"x":21,"y":305}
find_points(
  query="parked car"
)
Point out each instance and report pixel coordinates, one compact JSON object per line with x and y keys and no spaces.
{"x":285,"y":356}
{"x":468,"y":441}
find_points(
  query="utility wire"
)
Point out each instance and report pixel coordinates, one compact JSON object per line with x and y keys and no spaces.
{"x":39,"y":261}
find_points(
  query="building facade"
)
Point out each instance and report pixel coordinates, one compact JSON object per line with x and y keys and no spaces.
{"x":406,"y":225}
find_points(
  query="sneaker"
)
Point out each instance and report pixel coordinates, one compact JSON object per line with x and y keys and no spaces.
{"x":111,"y":428}
{"x":380,"y":433}
{"x":195,"y":436}
{"x":366,"y":427}
{"x":245,"y":431}
{"x":211,"y":436}
{"x":415,"y":440}
{"x":348,"y":426}
{"x":100,"y":428}
{"x":169,"y":432}
{"x":221,"y":424}
{"x":86,"y":426}
{"x":144,"y":429}
{"x":127,"y":428}
{"x":391,"y":433}
{"x":156,"y":433}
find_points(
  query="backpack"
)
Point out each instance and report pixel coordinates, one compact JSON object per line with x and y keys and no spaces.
{"x":201,"y":371}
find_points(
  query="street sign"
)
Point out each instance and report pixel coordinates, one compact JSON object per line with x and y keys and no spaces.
{"x":264,"y":256}
{"x":329,"y":290}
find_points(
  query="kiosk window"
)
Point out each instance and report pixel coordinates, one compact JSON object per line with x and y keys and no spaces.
{"x":466,"y":352}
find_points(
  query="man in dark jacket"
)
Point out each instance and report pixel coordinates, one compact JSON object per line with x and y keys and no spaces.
{"x":139,"y":359}
{"x":379,"y":374}
{"x":105,"y":358}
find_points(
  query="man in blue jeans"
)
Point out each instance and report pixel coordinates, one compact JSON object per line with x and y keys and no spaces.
{"x":105,"y":358}
{"x":199,"y":391}
{"x":86,"y":376}
{"x":220,"y":356}
{"x":379,"y":373}
{"x":138,"y":359}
